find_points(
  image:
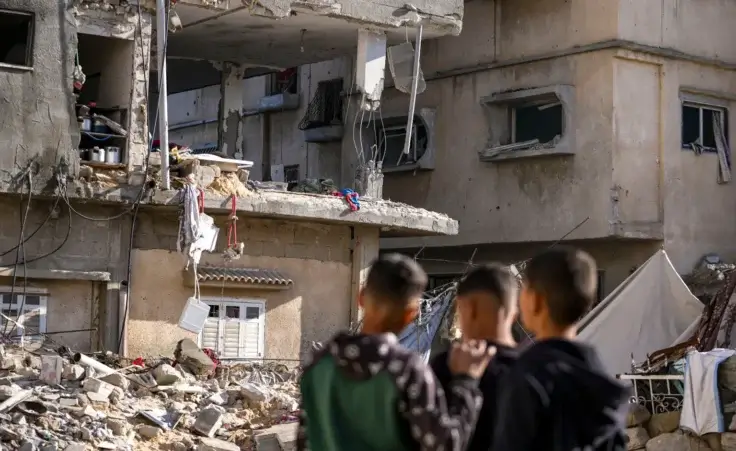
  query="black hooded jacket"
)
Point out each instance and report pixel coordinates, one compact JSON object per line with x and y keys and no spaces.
{"x":558,"y":398}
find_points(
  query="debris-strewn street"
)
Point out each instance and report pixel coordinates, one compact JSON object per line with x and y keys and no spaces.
{"x":56,"y":400}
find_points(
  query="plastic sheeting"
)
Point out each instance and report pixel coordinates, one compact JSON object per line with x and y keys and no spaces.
{"x":651,"y":310}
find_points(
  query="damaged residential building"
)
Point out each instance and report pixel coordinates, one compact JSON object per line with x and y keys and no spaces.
{"x":605,"y":124}
{"x":101,"y":209}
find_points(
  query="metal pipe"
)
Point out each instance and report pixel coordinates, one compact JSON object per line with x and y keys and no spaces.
{"x":101,"y":368}
{"x":123,"y":312}
{"x":414,"y":87}
{"x":162,"y":29}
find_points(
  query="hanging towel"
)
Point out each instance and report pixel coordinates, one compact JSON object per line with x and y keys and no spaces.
{"x":189,"y":219}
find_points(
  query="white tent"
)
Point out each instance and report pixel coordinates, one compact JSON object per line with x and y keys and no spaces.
{"x":651,"y":310}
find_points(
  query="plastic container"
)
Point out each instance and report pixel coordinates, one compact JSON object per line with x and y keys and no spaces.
{"x":194,"y":315}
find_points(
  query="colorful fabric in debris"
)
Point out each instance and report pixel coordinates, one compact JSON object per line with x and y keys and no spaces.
{"x":351,"y":197}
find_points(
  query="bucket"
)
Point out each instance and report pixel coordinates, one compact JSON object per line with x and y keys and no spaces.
{"x":97,"y":154}
{"x":112,"y":155}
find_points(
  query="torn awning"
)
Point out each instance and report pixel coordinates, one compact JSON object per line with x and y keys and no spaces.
{"x":246,"y":276}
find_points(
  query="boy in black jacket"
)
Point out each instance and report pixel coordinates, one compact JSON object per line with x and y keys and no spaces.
{"x":557,"y":397}
{"x":486,"y":302}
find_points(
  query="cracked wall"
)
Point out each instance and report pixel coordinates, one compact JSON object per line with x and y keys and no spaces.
{"x":37,"y":116}
{"x":37,"y":120}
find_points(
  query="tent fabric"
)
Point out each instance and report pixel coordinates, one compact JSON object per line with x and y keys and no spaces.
{"x":651,"y":310}
{"x":701,"y":407}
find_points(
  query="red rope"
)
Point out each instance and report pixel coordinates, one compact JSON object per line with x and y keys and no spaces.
{"x":232,"y":229}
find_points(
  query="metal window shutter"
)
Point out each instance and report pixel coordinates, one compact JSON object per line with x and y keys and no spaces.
{"x":210,"y":333}
{"x":231,"y":333}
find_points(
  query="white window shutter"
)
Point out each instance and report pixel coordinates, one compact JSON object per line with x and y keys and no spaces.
{"x":230,"y":339}
{"x":210,"y":334}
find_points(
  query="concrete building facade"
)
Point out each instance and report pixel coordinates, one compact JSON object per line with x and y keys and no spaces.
{"x":602,"y":123}
{"x":88,"y":249}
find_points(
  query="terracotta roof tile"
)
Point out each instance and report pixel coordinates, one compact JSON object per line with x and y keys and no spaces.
{"x":243,"y":275}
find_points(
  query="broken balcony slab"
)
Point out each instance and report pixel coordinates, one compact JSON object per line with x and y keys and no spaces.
{"x":289,"y":33}
{"x":393,"y":218}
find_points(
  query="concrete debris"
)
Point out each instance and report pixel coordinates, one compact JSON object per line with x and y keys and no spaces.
{"x":158,"y":406}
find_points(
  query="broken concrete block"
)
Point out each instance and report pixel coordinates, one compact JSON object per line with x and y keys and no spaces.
{"x":637,"y":416}
{"x":189,"y":355}
{"x":97,"y":386}
{"x":637,"y":438}
{"x":676,"y":441}
{"x":68,"y":402}
{"x":73,"y":372}
{"x":147,"y":431}
{"x":253,"y":392}
{"x":118,"y":426}
{"x":662,"y":423}
{"x":213,"y":444}
{"x":52,"y":367}
{"x":75,"y":447}
{"x":166,"y":375}
{"x":208,"y":422}
{"x":7,"y":391}
{"x":116,"y":379}
{"x":219,"y":398}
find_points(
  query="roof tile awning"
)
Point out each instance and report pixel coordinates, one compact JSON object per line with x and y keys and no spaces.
{"x":267,"y":279}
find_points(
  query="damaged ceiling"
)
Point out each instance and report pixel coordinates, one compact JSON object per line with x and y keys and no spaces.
{"x":285,"y":33}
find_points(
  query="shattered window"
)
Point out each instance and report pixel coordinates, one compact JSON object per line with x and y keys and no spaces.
{"x":390,"y":139}
{"x":698,"y":123}
{"x":33,"y":300}
{"x":16,"y":44}
{"x":543,"y":122}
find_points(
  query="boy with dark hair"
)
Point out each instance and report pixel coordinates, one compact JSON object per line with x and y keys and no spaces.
{"x":557,"y":397}
{"x":486,"y":304}
{"x":366,"y":392}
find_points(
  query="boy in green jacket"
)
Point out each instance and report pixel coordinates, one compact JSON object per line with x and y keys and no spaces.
{"x":366,"y":392}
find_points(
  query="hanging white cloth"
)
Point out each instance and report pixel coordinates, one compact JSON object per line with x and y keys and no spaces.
{"x":701,"y":406}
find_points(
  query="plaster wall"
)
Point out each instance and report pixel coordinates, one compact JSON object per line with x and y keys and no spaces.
{"x":518,"y":200}
{"x":696,"y":209}
{"x":69,"y":308}
{"x":90,"y":245}
{"x":310,"y":310}
{"x":199,"y":108}
{"x":37,"y":104}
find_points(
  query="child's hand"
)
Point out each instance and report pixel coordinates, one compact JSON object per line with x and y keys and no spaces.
{"x":470,"y":358}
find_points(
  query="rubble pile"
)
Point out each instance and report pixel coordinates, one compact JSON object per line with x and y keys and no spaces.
{"x":708,"y":277}
{"x":53,"y":400}
{"x":659,"y":432}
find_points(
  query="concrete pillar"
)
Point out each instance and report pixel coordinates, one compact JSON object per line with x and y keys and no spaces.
{"x":230,"y":127}
{"x":365,"y":248}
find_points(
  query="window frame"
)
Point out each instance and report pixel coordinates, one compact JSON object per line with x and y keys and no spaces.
{"x":223,"y":303}
{"x":701,"y":106}
{"x":29,"y":39}
{"x":42,"y":308}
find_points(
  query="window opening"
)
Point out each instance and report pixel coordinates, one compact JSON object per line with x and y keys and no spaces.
{"x":291,"y":173}
{"x":16,"y":46}
{"x":325,"y":108}
{"x":698,"y":126}
{"x":390,"y":139}
{"x":542,"y":122}
{"x":285,"y":82}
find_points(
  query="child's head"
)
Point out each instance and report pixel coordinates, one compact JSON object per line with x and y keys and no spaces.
{"x":392,"y":292}
{"x":486,"y":301}
{"x":559,"y":287}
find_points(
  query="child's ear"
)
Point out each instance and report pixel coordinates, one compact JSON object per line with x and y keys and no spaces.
{"x":361,"y":300}
{"x":410,"y":314}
